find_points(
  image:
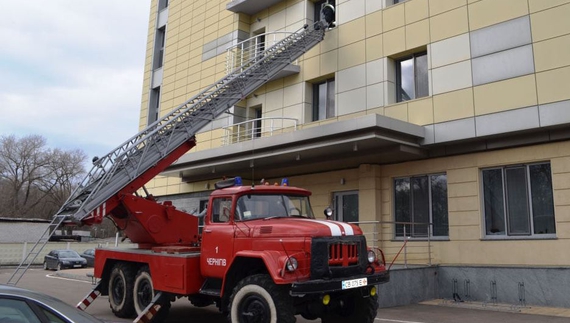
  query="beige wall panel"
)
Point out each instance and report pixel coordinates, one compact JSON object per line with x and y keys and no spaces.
{"x":374,"y":48}
{"x":351,"y":32}
{"x":274,"y":101}
{"x":416,"y":10}
{"x":560,"y":165}
{"x":463,"y":175}
{"x":553,"y":85}
{"x":464,"y":233}
{"x":278,"y":7}
{"x":505,"y":95}
{"x":420,"y":111}
{"x":374,"y":23}
{"x":538,"y":5}
{"x":465,"y":189}
{"x":550,"y":23}
{"x":329,"y":62}
{"x":489,"y":12}
{"x":449,"y":24}
{"x":394,"y":41}
{"x":462,"y":204}
{"x":393,"y":17}
{"x":453,"y":105}
{"x":562,"y":213}
{"x":293,"y":94}
{"x":552,"y":53}
{"x":451,"y":77}
{"x":467,"y":218}
{"x":562,"y":197}
{"x":295,"y":13}
{"x":311,"y":68}
{"x":330,"y":42}
{"x":437,"y":6}
{"x":561,"y":182}
{"x":450,"y":51}
{"x":399,"y":111}
{"x":417,"y":34}
{"x":351,"y":55}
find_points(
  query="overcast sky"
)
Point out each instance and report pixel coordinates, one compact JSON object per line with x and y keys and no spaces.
{"x":72,"y":71}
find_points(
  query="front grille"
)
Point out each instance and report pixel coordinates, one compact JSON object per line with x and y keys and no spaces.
{"x":343,"y":254}
{"x":333,"y":257}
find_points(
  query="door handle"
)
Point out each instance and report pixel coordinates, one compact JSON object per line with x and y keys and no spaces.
{"x":208,"y":231}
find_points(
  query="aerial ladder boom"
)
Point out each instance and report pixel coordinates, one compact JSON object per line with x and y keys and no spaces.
{"x":126,"y":169}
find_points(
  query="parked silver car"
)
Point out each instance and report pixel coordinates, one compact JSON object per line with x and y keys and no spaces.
{"x":60,"y":259}
{"x":18,"y":305}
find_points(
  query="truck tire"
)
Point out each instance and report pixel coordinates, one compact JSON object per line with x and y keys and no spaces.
{"x":355,"y":309}
{"x":257,"y":299}
{"x":121,"y":283}
{"x":143,"y":293}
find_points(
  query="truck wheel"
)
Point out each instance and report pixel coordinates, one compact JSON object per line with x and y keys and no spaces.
{"x":121,"y":284}
{"x":143,"y":294}
{"x":257,"y":299}
{"x":354,"y":309}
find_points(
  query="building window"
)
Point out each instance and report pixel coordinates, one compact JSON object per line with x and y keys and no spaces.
{"x":162,"y":4}
{"x":346,"y":206}
{"x":412,"y":77}
{"x":323,"y":100}
{"x":518,"y":200}
{"x":154,"y":105}
{"x":319,"y":5}
{"x":160,"y":39}
{"x":421,"y":202}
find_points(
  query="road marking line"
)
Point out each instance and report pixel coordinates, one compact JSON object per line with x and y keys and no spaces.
{"x":65,"y":278}
{"x":397,"y":321}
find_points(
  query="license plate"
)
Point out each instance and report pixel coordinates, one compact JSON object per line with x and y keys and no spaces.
{"x":76,"y":266}
{"x":354,"y":283}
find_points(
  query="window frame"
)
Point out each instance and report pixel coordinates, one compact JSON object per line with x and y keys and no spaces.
{"x":528,"y":190}
{"x":319,"y":4}
{"x":430,"y":235}
{"x":330,"y":97}
{"x":398,"y":67}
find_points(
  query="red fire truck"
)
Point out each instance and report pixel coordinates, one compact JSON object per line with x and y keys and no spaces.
{"x":261,"y":257}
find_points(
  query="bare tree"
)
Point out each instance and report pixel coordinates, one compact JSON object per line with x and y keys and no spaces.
{"x":34,"y":179}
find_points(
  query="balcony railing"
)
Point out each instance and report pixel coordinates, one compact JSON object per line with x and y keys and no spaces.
{"x":256,"y":128}
{"x":251,"y":48}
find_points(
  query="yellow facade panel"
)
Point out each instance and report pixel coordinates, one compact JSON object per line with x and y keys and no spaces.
{"x":351,"y":32}
{"x":374,"y":48}
{"x":417,"y":34}
{"x":552,"y":53}
{"x":437,"y":6}
{"x":330,"y":42}
{"x":453,"y":105}
{"x":398,"y":111}
{"x":553,"y":85}
{"x":505,"y":95}
{"x":449,"y":24}
{"x":539,"y":5}
{"x":550,"y":23}
{"x":394,"y":41}
{"x":393,"y":17}
{"x":420,"y":111}
{"x":348,"y":56}
{"x":489,"y":12}
{"x":416,"y":10}
{"x":374,"y":23}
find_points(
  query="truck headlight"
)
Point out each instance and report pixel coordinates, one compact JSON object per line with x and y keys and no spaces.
{"x":292,"y":264}
{"x":371,"y":256}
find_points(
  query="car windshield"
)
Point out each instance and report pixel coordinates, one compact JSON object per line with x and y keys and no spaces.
{"x":68,"y":254}
{"x":260,"y":206}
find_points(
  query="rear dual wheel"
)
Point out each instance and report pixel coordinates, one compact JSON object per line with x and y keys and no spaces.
{"x":121,"y":283}
{"x":144,"y":294}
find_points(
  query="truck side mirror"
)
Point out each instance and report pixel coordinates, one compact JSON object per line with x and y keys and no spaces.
{"x":328,"y":212}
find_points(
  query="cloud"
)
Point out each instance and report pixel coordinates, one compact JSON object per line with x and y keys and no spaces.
{"x":72,"y":71}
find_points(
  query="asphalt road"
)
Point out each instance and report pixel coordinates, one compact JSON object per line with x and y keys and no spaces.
{"x":72,"y":291}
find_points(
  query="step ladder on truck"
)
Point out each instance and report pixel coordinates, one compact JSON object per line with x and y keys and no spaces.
{"x":262,"y":255}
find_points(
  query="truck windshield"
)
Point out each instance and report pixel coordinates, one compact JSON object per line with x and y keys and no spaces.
{"x":250,"y":207}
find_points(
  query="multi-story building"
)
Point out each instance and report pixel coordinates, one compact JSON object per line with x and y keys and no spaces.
{"x":444,"y":124}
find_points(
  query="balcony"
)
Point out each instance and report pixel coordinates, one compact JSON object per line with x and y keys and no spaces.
{"x":257,"y":128}
{"x":250,"y":7}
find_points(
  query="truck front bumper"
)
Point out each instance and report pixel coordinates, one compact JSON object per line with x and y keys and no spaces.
{"x":336,"y":285}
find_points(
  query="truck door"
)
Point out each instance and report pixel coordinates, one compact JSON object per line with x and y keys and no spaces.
{"x":217,"y":239}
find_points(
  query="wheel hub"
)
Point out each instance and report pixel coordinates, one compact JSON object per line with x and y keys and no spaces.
{"x":254,"y":309}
